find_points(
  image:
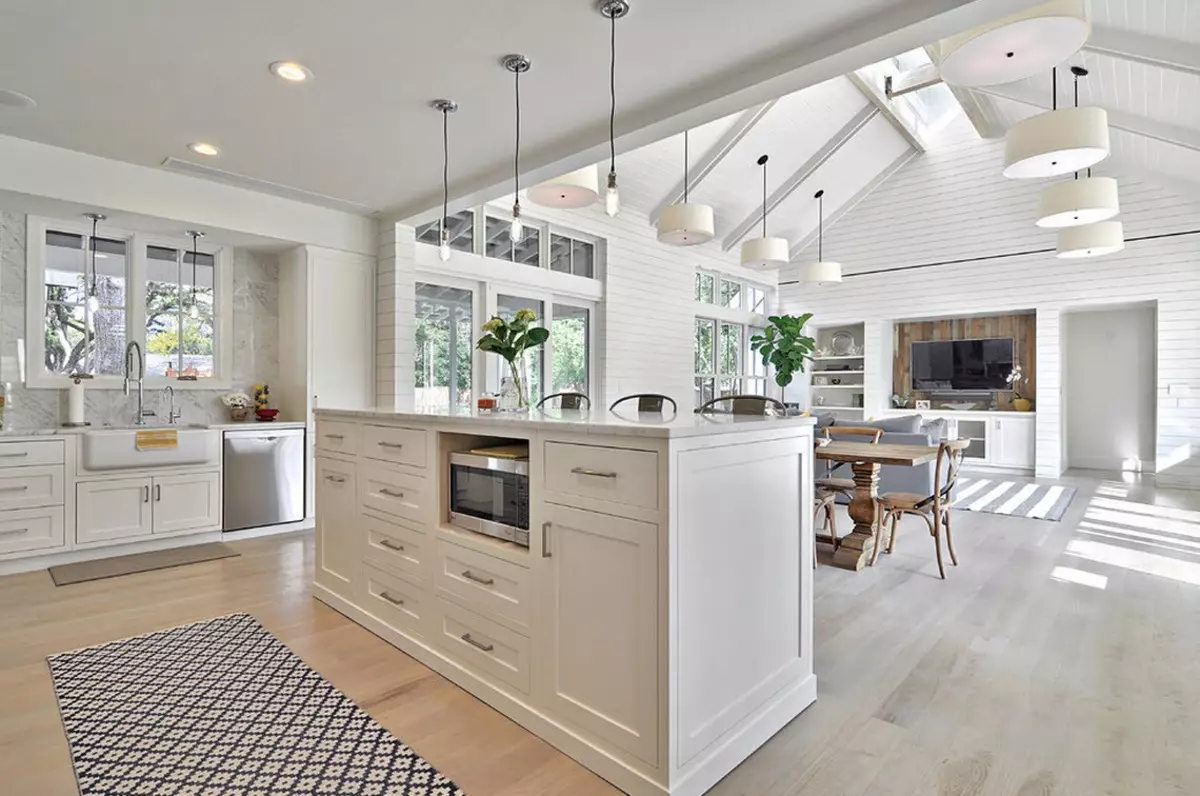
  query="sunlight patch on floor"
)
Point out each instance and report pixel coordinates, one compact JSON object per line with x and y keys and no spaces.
{"x":1079,"y":576}
{"x":1148,"y":509}
{"x":1179,"y":546}
{"x":1184,"y":528}
{"x":1136,"y":560}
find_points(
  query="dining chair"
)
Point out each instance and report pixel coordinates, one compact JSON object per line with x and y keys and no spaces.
{"x":934,"y":509}
{"x":824,"y":501}
{"x":567,"y":400}
{"x":844,"y":486}
{"x":647,"y":402}
{"x":743,"y":405}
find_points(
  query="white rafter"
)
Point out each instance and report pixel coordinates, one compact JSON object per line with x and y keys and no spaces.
{"x":1141,"y":48}
{"x":876,"y":97}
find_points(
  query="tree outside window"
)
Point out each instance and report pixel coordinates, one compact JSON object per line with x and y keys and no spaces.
{"x":180,"y":333}
{"x":78,"y":340}
{"x":569,"y":341}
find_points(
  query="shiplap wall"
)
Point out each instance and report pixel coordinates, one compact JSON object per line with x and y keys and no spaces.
{"x":952,"y":203}
{"x":395,"y":322}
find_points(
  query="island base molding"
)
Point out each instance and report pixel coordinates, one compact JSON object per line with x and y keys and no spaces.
{"x":699,"y":777}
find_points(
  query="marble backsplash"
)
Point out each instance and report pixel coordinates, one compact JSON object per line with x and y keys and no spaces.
{"x":255,"y":346}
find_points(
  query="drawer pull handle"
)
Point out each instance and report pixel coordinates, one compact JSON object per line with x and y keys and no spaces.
{"x":20,"y":455}
{"x":545,"y":540}
{"x":391,"y":599}
{"x":389,"y":493}
{"x":158,"y":493}
{"x":469,"y":575}
{"x":390,"y":445}
{"x":592,"y":473}
{"x":13,"y":488}
{"x":390,"y":545}
{"x":335,"y":436}
{"x":335,"y":479}
{"x":146,"y":494}
{"x":16,"y":532}
{"x":477,"y":645}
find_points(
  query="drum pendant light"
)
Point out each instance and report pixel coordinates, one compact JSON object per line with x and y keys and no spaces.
{"x":1072,"y":203}
{"x":686,"y":224}
{"x":518,"y":65}
{"x":572,"y":191}
{"x":821,"y":272}
{"x":447,"y":107}
{"x":1056,"y":142}
{"x":1016,"y":46}
{"x":1091,"y":240}
{"x":765,"y":252}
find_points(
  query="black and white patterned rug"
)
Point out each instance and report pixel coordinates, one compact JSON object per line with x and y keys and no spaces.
{"x":219,"y":708}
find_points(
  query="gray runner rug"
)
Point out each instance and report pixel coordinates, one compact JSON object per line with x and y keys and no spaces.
{"x":83,"y":571}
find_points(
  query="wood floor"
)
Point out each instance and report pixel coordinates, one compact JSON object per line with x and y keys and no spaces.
{"x":1059,"y":658}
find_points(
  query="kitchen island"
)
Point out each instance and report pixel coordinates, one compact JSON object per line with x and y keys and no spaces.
{"x":657,"y":627}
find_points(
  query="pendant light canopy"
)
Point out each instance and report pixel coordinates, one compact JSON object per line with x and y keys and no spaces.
{"x":518,"y":65}
{"x":765,"y":252}
{"x":446,"y":107}
{"x":1091,"y":240}
{"x":1016,"y":46}
{"x":612,"y":10}
{"x":685,"y":224}
{"x":571,"y":191}
{"x":1071,"y":203}
{"x":821,"y":272}
{"x":194,"y":309}
{"x":1056,"y":142}
{"x":93,"y":301}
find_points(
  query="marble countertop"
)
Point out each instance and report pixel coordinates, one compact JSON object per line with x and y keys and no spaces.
{"x":63,"y":431}
{"x":598,"y":421}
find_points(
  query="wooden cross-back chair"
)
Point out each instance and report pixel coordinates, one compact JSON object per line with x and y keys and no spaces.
{"x":934,"y":509}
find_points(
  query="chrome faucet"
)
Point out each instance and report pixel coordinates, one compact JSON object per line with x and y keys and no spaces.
{"x":142,"y":413}
{"x":174,"y":414}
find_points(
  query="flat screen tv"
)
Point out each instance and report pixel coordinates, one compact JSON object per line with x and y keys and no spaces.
{"x":962,"y":365}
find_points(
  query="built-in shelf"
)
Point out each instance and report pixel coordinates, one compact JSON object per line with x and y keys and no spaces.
{"x":840,"y":372}
{"x":838,"y":358}
{"x":838,"y":387}
{"x":817,"y":409}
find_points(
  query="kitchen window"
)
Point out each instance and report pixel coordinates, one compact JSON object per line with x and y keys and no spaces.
{"x":724,"y":363}
{"x":710,"y":287}
{"x":570,"y":336}
{"x":570,"y":256}
{"x":75,"y":338}
{"x":526,"y":251}
{"x":461,"y":226}
{"x":445,"y":340}
{"x":180,"y":335}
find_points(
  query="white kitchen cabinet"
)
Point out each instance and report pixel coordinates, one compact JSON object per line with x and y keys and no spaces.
{"x":187,"y":503}
{"x":113,"y":509}
{"x":1012,"y":442}
{"x":602,"y":640}
{"x":338,"y":526}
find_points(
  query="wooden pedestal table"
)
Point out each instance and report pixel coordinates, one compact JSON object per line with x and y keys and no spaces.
{"x":866,"y":458}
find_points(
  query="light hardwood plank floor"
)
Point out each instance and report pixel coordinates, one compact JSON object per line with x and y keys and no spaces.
{"x":1059,"y":658}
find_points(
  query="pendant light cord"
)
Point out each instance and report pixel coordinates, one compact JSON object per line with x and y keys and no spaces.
{"x":95,"y":222}
{"x":821,"y":227}
{"x":195,"y":241}
{"x":445,"y":169}
{"x":685,"y":167}
{"x":764,"y":165}
{"x":612,"y":95}
{"x":517,"y":151}
{"x":1054,"y":91}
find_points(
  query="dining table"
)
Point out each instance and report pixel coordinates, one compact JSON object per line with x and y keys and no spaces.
{"x":865,"y":459}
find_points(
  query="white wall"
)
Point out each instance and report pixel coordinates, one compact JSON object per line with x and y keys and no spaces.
{"x":952,"y":203}
{"x":1109,"y":387}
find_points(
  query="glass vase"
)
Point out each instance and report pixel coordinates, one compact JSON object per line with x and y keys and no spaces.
{"x":520,"y":382}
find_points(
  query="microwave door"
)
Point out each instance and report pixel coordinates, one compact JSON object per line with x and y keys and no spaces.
{"x":484,"y":494}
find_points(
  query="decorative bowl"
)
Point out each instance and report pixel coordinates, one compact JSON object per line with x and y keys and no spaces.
{"x":266,"y":415}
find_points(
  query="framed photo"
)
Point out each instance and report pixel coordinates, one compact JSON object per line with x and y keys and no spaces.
{"x":923,"y":405}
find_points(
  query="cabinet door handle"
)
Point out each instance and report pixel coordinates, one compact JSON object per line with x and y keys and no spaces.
{"x":390,"y":545}
{"x":158,"y":493}
{"x":390,"y":445}
{"x":146,"y":494}
{"x":545,"y":540}
{"x":21,"y":455}
{"x":389,"y":493}
{"x":335,"y":479}
{"x":335,"y":436}
{"x":477,"y":645}
{"x":592,"y":473}
{"x":13,"y":488}
{"x":391,"y":599}
{"x":469,"y":575}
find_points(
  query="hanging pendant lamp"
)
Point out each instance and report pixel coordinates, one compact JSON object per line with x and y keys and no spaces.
{"x":1071,"y":203}
{"x":685,"y":224}
{"x":821,"y":272}
{"x":93,"y":300}
{"x":446,"y":107}
{"x":1091,"y":240}
{"x":1056,"y":142}
{"x":612,"y":10}
{"x":571,"y":191}
{"x":194,"y":309}
{"x":765,"y":252}
{"x":1014,"y":47}
{"x":518,"y":65}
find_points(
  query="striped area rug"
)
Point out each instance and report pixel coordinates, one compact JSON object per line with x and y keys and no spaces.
{"x":1013,"y":498}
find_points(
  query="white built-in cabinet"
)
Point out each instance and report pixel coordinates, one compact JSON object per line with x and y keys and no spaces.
{"x":1012,"y":441}
{"x":338,"y":548}
{"x":125,"y":508}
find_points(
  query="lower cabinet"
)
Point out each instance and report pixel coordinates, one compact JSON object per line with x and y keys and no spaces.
{"x":601,"y":642}
{"x":339,"y":554}
{"x":1012,"y":442}
{"x":187,"y":503}
{"x":126,"y":508}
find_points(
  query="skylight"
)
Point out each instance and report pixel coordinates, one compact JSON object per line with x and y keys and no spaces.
{"x":926,"y":111}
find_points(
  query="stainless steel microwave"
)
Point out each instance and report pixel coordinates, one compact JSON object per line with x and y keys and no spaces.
{"x":490,"y":495}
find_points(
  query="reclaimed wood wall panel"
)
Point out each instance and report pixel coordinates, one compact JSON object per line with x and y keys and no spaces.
{"x":1021,"y":327}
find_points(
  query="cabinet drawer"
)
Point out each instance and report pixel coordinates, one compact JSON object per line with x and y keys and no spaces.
{"x":483,"y":644}
{"x":27,"y":454}
{"x":336,"y":436}
{"x":399,"y":445}
{"x":395,"y":547}
{"x":31,"y":529}
{"x":490,"y":585}
{"x":393,"y":493}
{"x":26,"y":487}
{"x":400,"y":603}
{"x":611,"y":474}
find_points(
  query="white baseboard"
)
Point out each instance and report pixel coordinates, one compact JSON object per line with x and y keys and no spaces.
{"x":1111,"y":464}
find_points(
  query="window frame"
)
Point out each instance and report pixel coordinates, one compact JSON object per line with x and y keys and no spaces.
{"x":745,"y":357}
{"x":34,"y":375}
{"x":744,"y":292}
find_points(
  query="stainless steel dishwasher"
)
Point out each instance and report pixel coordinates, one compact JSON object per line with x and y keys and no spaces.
{"x":263,"y":477}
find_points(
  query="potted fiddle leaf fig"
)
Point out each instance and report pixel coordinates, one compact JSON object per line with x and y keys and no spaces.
{"x":784,"y":346}
{"x":511,"y":339}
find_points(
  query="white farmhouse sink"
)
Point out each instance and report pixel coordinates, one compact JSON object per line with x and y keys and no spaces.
{"x":116,"y":448}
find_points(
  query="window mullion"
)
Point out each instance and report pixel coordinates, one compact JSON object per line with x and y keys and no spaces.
{"x":135,"y":292}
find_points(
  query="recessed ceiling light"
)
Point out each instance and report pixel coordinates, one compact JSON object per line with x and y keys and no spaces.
{"x":291,"y":71}
{"x":201,"y":148}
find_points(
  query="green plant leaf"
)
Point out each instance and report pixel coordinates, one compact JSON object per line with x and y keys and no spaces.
{"x":537,"y":335}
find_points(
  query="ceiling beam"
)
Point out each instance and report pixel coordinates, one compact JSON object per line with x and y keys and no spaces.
{"x":1131,"y":123}
{"x":913,"y":80}
{"x":711,"y":159}
{"x":1141,"y":48}
{"x":869,"y":188}
{"x":877,"y":98}
{"x":839,"y":139}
